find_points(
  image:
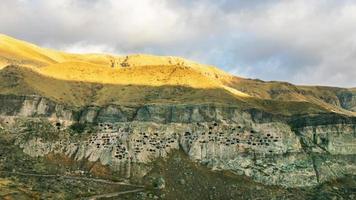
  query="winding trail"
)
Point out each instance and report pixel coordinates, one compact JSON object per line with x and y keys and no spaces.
{"x":114,"y":194}
{"x":139,"y":188}
{"x":98,"y":180}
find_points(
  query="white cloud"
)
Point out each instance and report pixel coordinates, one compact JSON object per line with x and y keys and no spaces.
{"x":319,"y":34}
{"x":88,"y":48}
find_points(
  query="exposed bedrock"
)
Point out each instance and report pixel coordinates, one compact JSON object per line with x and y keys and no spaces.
{"x":290,"y":151}
{"x":35,"y":106}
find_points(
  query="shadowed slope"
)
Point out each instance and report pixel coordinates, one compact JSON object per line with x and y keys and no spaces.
{"x":83,"y":79}
{"x":341,"y":100}
{"x":17,"y":80}
{"x":26,"y":81}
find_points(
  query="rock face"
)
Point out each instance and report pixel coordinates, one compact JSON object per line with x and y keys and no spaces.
{"x":348,"y":100}
{"x":276,"y":150}
{"x":33,"y":106}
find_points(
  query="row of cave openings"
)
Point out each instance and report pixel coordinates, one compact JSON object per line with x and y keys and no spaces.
{"x":213,"y":136}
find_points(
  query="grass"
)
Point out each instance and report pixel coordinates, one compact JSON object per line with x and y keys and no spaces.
{"x":98,"y":79}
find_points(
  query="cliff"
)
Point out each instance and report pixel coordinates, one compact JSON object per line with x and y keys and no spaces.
{"x":266,"y":147}
{"x":126,"y":112}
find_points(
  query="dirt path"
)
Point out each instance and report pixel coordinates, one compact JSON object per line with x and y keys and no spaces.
{"x":114,"y":194}
{"x":73,"y":178}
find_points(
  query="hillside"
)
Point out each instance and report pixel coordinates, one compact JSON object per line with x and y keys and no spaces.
{"x":90,"y":126}
{"x":96,"y":79}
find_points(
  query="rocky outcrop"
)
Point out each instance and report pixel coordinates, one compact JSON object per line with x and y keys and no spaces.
{"x":33,"y":106}
{"x":348,"y":100}
{"x":277,"y":150}
{"x":36,"y":106}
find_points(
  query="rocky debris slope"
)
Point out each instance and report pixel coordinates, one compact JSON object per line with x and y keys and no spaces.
{"x":277,"y":150}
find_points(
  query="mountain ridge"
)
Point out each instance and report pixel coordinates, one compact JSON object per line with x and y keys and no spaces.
{"x":110,"y":73}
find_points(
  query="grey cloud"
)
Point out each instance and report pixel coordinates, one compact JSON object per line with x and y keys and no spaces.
{"x":304,"y":42}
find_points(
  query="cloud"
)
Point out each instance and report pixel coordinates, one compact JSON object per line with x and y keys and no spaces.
{"x":304,"y":42}
{"x":82,"y":47}
{"x":310,"y":42}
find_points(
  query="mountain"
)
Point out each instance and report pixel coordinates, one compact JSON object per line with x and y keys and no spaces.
{"x":102,"y":79}
{"x":164,"y":123}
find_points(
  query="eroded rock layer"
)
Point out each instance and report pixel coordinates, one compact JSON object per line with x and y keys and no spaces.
{"x":290,"y":151}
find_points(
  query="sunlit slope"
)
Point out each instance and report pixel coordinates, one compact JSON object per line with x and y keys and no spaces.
{"x":151,"y":60}
{"x":85,"y":79}
{"x":134,"y":69}
{"x":13,"y":51}
{"x":19,"y":80}
{"x":155,"y":75}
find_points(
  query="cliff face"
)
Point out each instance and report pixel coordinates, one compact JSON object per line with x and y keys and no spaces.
{"x":291,"y":151}
{"x":348,"y":99}
{"x":125,"y":114}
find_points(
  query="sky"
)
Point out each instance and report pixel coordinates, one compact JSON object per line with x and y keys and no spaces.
{"x":308,"y":42}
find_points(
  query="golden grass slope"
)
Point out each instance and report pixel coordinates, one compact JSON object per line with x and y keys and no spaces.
{"x":135,"y":69}
{"x":19,"y":80}
{"x":84,"y":79}
{"x":155,"y":75}
{"x":13,"y":51}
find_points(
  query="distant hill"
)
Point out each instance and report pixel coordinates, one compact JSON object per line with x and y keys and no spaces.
{"x":98,"y":79}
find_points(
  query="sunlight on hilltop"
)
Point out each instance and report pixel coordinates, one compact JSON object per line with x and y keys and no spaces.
{"x":75,"y":78}
{"x":15,"y":51}
{"x":134,"y":69}
{"x":155,"y":75}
